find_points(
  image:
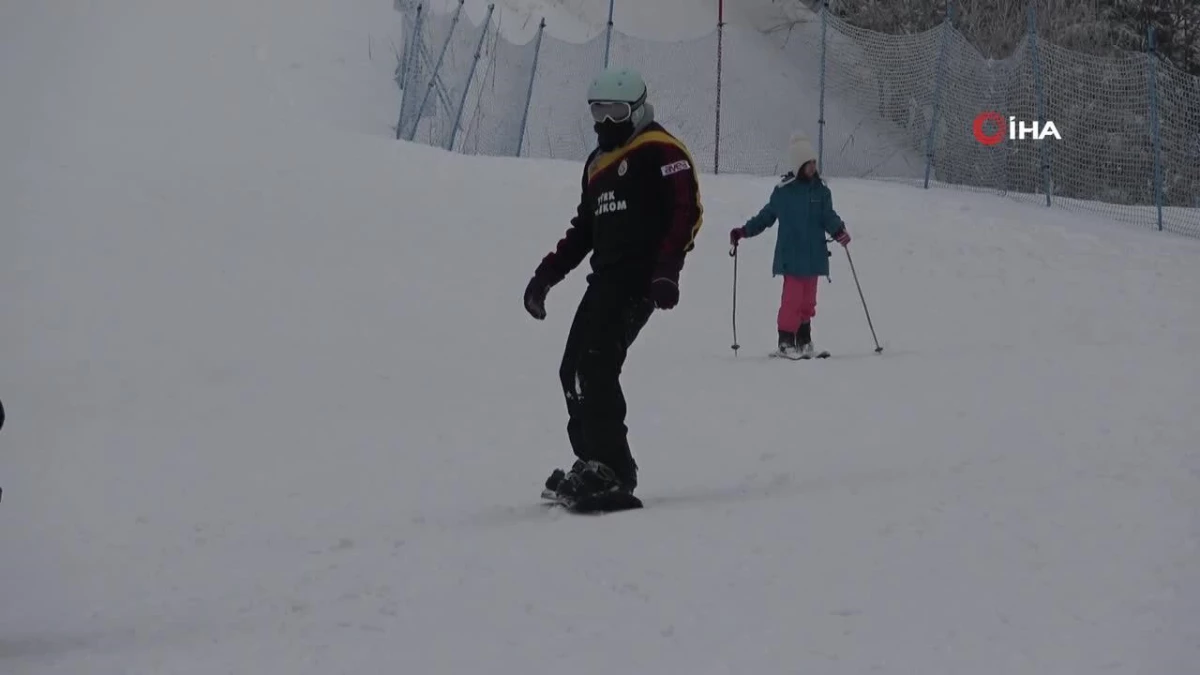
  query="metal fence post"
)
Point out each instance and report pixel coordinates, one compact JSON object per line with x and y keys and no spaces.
{"x":821,"y":115}
{"x":436,"y":67}
{"x":1152,"y":82}
{"x":720,"y":36}
{"x":462,"y":103}
{"x":537,"y":49}
{"x":410,"y":48}
{"x":608,"y":31}
{"x":1041,"y":101}
{"x":412,"y":54}
{"x":947,"y":28}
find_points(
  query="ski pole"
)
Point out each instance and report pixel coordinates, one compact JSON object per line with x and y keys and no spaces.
{"x":878,"y":349}
{"x":733,"y":254}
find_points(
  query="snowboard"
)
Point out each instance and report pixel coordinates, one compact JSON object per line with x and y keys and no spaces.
{"x":600,"y":503}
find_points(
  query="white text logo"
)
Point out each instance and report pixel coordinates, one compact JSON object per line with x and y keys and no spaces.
{"x":676,"y":167}
{"x":989,"y":129}
{"x":608,"y":203}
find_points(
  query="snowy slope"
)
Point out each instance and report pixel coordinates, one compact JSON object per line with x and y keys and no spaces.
{"x":274,"y":406}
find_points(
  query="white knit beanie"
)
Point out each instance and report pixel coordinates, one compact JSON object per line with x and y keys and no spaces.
{"x":800,"y":151}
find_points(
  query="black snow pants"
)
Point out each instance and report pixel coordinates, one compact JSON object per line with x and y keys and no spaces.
{"x":606,"y":323}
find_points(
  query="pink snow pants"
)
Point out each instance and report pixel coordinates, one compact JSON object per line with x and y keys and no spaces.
{"x":799,"y":302}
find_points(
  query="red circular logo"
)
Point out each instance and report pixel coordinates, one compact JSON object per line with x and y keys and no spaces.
{"x":982,"y":136}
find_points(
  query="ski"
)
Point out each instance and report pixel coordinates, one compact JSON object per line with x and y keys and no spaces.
{"x":799,"y":357}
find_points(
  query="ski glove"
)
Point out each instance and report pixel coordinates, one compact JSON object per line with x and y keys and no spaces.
{"x":842,"y":237}
{"x":736,"y":235}
{"x":664,"y":293}
{"x":535,"y":298}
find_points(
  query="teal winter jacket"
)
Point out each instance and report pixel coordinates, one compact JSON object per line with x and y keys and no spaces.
{"x":804,"y":209}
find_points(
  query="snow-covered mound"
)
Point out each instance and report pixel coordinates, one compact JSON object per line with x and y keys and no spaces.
{"x":274,"y":407}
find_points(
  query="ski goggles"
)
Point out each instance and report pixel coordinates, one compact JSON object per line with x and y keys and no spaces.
{"x":610,"y":111}
{"x":615,"y":111}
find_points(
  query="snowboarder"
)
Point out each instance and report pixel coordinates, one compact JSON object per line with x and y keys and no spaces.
{"x":803,"y":205}
{"x":638,"y":215}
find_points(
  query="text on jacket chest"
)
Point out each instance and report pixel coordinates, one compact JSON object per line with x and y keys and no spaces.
{"x":607,"y":202}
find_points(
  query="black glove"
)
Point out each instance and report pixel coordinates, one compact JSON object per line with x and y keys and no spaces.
{"x":535,"y":298}
{"x":664,"y":293}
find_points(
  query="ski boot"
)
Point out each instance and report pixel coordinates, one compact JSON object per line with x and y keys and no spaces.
{"x":787,"y":346}
{"x":804,"y":342}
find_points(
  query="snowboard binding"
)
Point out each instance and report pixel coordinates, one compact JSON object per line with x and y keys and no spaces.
{"x":590,"y":487}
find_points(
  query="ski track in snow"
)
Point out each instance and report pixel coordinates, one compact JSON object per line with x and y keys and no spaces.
{"x":274,"y":407}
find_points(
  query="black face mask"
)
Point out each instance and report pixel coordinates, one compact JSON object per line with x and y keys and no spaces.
{"x":609,"y":135}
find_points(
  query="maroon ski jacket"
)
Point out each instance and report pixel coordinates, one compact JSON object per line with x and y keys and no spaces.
{"x":639,"y":213}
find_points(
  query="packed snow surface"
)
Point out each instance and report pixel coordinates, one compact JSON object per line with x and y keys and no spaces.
{"x":274,"y":406}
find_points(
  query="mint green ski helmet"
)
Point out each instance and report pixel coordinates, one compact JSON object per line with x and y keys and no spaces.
{"x":618,"y":84}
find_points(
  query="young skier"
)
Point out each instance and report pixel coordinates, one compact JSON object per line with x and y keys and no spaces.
{"x":803,"y":205}
{"x":638,"y":215}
